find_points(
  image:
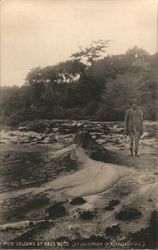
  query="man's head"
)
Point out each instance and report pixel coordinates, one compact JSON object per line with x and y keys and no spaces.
{"x":133,"y":104}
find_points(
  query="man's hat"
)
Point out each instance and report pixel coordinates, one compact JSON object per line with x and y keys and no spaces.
{"x":133,"y":101}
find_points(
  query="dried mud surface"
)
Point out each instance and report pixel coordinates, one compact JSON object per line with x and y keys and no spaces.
{"x":57,"y":189}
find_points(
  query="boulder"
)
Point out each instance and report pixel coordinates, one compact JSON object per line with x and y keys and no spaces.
{"x":86,"y":215}
{"x":78,"y":201}
{"x":57,"y":210}
{"x":114,"y":202}
{"x":113,"y":230}
{"x":128,"y":214}
{"x":109,"y":208}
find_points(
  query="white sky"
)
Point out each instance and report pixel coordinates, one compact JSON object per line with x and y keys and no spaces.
{"x":45,"y":32}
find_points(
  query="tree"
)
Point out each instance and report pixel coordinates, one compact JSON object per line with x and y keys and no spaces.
{"x":92,"y":53}
{"x":116,"y":96}
{"x":99,"y":88}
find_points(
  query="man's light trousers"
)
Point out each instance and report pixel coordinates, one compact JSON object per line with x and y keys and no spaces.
{"x":134,"y":137}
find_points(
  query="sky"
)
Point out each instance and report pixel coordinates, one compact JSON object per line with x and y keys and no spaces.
{"x":45,"y":32}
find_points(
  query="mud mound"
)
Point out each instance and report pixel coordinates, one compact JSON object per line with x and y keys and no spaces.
{"x":96,"y":151}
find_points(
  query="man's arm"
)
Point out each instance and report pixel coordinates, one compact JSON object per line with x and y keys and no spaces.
{"x":127,"y":122}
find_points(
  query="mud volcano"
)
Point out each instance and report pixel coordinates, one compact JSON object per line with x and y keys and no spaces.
{"x":94,"y":175}
{"x":94,"y":150}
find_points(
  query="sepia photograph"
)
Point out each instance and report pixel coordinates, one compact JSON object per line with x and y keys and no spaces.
{"x":79,"y":124}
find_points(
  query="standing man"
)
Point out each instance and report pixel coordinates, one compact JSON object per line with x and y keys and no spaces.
{"x":134,"y":126}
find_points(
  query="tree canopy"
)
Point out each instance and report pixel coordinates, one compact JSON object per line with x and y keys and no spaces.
{"x":92,"y":85}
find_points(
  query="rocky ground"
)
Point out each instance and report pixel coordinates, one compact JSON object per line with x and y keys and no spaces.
{"x":34,"y":211}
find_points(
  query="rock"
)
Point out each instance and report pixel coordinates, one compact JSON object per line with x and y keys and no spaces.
{"x":56,"y":211}
{"x":117,"y":130}
{"x":26,"y":139}
{"x":33,"y":143}
{"x":101,"y":141}
{"x":55,"y":130}
{"x":109,"y":208}
{"x":52,"y":137}
{"x":114,"y":202}
{"x":113,"y":231}
{"x":46,"y":140}
{"x":94,"y":136}
{"x":14,"y":184}
{"x":117,"y":142}
{"x":27,"y":182}
{"x":87,"y":215}
{"x":43,"y":136}
{"x":78,"y":201}
{"x":128,"y":214}
{"x":48,"y":130}
{"x":79,"y":124}
{"x":23,"y":128}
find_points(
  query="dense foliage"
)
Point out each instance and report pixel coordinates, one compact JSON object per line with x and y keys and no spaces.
{"x":89,"y":86}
